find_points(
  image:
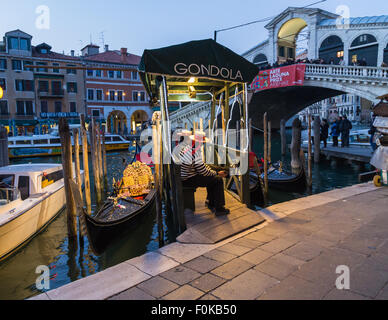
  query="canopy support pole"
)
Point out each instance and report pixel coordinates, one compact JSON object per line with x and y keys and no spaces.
{"x":246,"y":195}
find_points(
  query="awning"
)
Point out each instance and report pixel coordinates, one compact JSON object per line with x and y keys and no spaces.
{"x":207,"y":64}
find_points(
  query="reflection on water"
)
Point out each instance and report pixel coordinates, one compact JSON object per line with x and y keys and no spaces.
{"x":51,"y":247}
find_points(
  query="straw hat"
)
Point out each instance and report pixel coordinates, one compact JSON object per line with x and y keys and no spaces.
{"x":199,"y":136}
{"x":184,"y":133}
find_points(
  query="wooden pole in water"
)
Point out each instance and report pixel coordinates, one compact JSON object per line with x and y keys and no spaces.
{"x":309,"y":165}
{"x":250,"y":135}
{"x":100,"y":164}
{"x":93,"y":154}
{"x":77,"y":160}
{"x":283,"y":137}
{"x":295,"y":146}
{"x":317,"y":139}
{"x":67,"y":164}
{"x":265,"y":156}
{"x":104,"y":161}
{"x":85,"y":158}
{"x":269,"y":142}
{"x":4,"y":157}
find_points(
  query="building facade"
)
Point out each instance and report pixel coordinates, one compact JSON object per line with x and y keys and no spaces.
{"x":36,"y":90}
{"x":115,"y":97}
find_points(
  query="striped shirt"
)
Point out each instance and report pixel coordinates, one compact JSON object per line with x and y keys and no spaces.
{"x":192,"y":164}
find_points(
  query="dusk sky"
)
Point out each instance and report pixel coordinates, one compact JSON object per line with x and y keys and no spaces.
{"x":149,"y":24}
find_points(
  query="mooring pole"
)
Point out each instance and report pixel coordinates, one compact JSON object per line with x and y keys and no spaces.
{"x":265,"y":156}
{"x":317,"y":139}
{"x":269,"y":142}
{"x":93,"y":154}
{"x":283,"y":137}
{"x":309,"y":165}
{"x":77,"y":160}
{"x":85,"y":158}
{"x":295,"y":146}
{"x":4,"y":157}
{"x":67,"y":165}
{"x":104,"y":162}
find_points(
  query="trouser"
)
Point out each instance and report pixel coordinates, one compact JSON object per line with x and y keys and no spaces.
{"x":345,"y":139}
{"x":214,"y":186}
{"x":335,"y":141}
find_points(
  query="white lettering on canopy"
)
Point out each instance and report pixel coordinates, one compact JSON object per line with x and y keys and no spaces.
{"x":210,"y":70}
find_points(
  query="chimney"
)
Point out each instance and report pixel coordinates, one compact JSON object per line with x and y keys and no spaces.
{"x":123,"y":54}
{"x":72,"y":53}
{"x":106,"y":47}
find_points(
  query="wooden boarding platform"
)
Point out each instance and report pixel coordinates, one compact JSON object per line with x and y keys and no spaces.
{"x":203,"y":227}
{"x":353,"y":153}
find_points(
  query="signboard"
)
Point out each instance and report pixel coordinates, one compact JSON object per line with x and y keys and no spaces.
{"x":292,"y":75}
{"x":53,"y":115}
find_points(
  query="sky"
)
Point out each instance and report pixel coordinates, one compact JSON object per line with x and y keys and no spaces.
{"x":150,"y":24}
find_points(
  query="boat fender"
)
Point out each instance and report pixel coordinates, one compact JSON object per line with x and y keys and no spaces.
{"x":377,"y":181}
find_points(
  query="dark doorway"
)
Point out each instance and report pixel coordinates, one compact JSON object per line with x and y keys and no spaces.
{"x":364,"y":48}
{"x":332,"y":47}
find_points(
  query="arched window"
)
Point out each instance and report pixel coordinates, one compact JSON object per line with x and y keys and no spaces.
{"x":364,"y":50}
{"x":386,"y":54}
{"x":260,"y":59}
{"x":332,"y":48}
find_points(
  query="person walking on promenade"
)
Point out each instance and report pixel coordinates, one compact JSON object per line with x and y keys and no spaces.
{"x":324,"y":132}
{"x":335,"y":133}
{"x":372,"y":132}
{"x":345,"y":132}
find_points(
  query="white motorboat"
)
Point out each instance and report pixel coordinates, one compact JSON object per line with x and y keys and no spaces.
{"x":359,"y":138}
{"x":31,"y":196}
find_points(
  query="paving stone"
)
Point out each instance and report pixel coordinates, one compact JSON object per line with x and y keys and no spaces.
{"x":157,"y":286}
{"x":336,"y":294}
{"x":203,"y":264}
{"x":256,"y":256}
{"x":261,"y":236}
{"x":249,"y":243}
{"x":378,"y":260}
{"x":42,"y":296}
{"x":181,"y":275}
{"x":234,"y":249}
{"x":220,"y":256}
{"x":207,"y":282}
{"x":294,"y":288}
{"x":276,"y":229}
{"x":279,"y":266}
{"x":184,"y":293}
{"x":153,"y":263}
{"x":383,"y":294}
{"x":247,"y":286}
{"x":278,"y":245}
{"x":232,"y":268}
{"x":322,"y":269}
{"x":379,"y":231}
{"x":185,"y":252}
{"x":304,"y":251}
{"x":362,"y":243}
{"x":209,"y":297}
{"x":368,"y":280}
{"x":133,"y":294}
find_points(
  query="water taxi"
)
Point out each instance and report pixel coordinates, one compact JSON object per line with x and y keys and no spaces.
{"x":359,"y":138}
{"x":31,"y":196}
{"x":50,"y":145}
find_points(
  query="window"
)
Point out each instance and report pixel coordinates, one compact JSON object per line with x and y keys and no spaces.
{"x":42,"y":69}
{"x":89,"y":73}
{"x":119,"y":74}
{"x":27,"y":63}
{"x":116,"y":139}
{"x":44,"y":51}
{"x":43,"y":106}
{"x":43,"y":141}
{"x":281,"y":52}
{"x":19,"y":85}
{"x":58,"y":106}
{"x":72,"y":87}
{"x":51,"y":178}
{"x":73,"y":107}
{"x":142,"y":96}
{"x":111,"y":74}
{"x":24,"y":85}
{"x":99,"y":94}
{"x":55,"y":141}
{"x":13,"y":43}
{"x":29,"y":108}
{"x":24,"y":187}
{"x":135,"y":96}
{"x":3,"y":107}
{"x":16,"y":65}
{"x":3,"y":84}
{"x":28,"y":142}
{"x":3,"y":64}
{"x":20,"y":108}
{"x":43,"y":86}
{"x":96,"y":113}
{"x":98,"y":73}
{"x":90,"y":94}
{"x":111,"y":95}
{"x":71,"y":71}
{"x":108,"y":139}
{"x":24,"y":44}
{"x":119,"y":96}
{"x":57,"y":87}
{"x":134,"y":75}
{"x":340,"y":54}
{"x":56,"y":65}
{"x":290,"y":52}
{"x":354,"y":58}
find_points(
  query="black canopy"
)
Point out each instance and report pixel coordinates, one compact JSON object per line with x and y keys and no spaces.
{"x":203,"y":59}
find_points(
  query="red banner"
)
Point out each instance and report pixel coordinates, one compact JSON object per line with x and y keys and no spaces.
{"x":292,"y":75}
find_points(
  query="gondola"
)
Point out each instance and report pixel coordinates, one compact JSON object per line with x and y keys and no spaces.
{"x":255,"y":188}
{"x":112,"y":220}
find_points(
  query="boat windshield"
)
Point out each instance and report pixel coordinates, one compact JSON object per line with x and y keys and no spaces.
{"x":8,"y":192}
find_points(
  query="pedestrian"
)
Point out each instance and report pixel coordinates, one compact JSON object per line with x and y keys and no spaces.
{"x":331,"y":60}
{"x":345,"y":131}
{"x":372,"y":132}
{"x":312,"y":130}
{"x":324,"y":132}
{"x":334,"y":132}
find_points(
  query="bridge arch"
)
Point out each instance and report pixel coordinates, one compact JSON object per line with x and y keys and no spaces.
{"x":260,"y":60}
{"x":385,"y":59}
{"x":364,"y":46}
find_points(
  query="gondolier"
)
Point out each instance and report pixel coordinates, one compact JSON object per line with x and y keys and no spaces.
{"x":195,"y":173}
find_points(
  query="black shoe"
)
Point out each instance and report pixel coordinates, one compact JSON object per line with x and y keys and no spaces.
{"x":221,"y":211}
{"x":207,"y":204}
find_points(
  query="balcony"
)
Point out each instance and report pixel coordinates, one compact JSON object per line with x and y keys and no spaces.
{"x":59,"y":93}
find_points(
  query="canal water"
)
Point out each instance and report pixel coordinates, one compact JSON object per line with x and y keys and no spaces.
{"x":51,"y":247}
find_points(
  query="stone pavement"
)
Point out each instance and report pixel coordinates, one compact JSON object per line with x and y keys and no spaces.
{"x":292,"y":256}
